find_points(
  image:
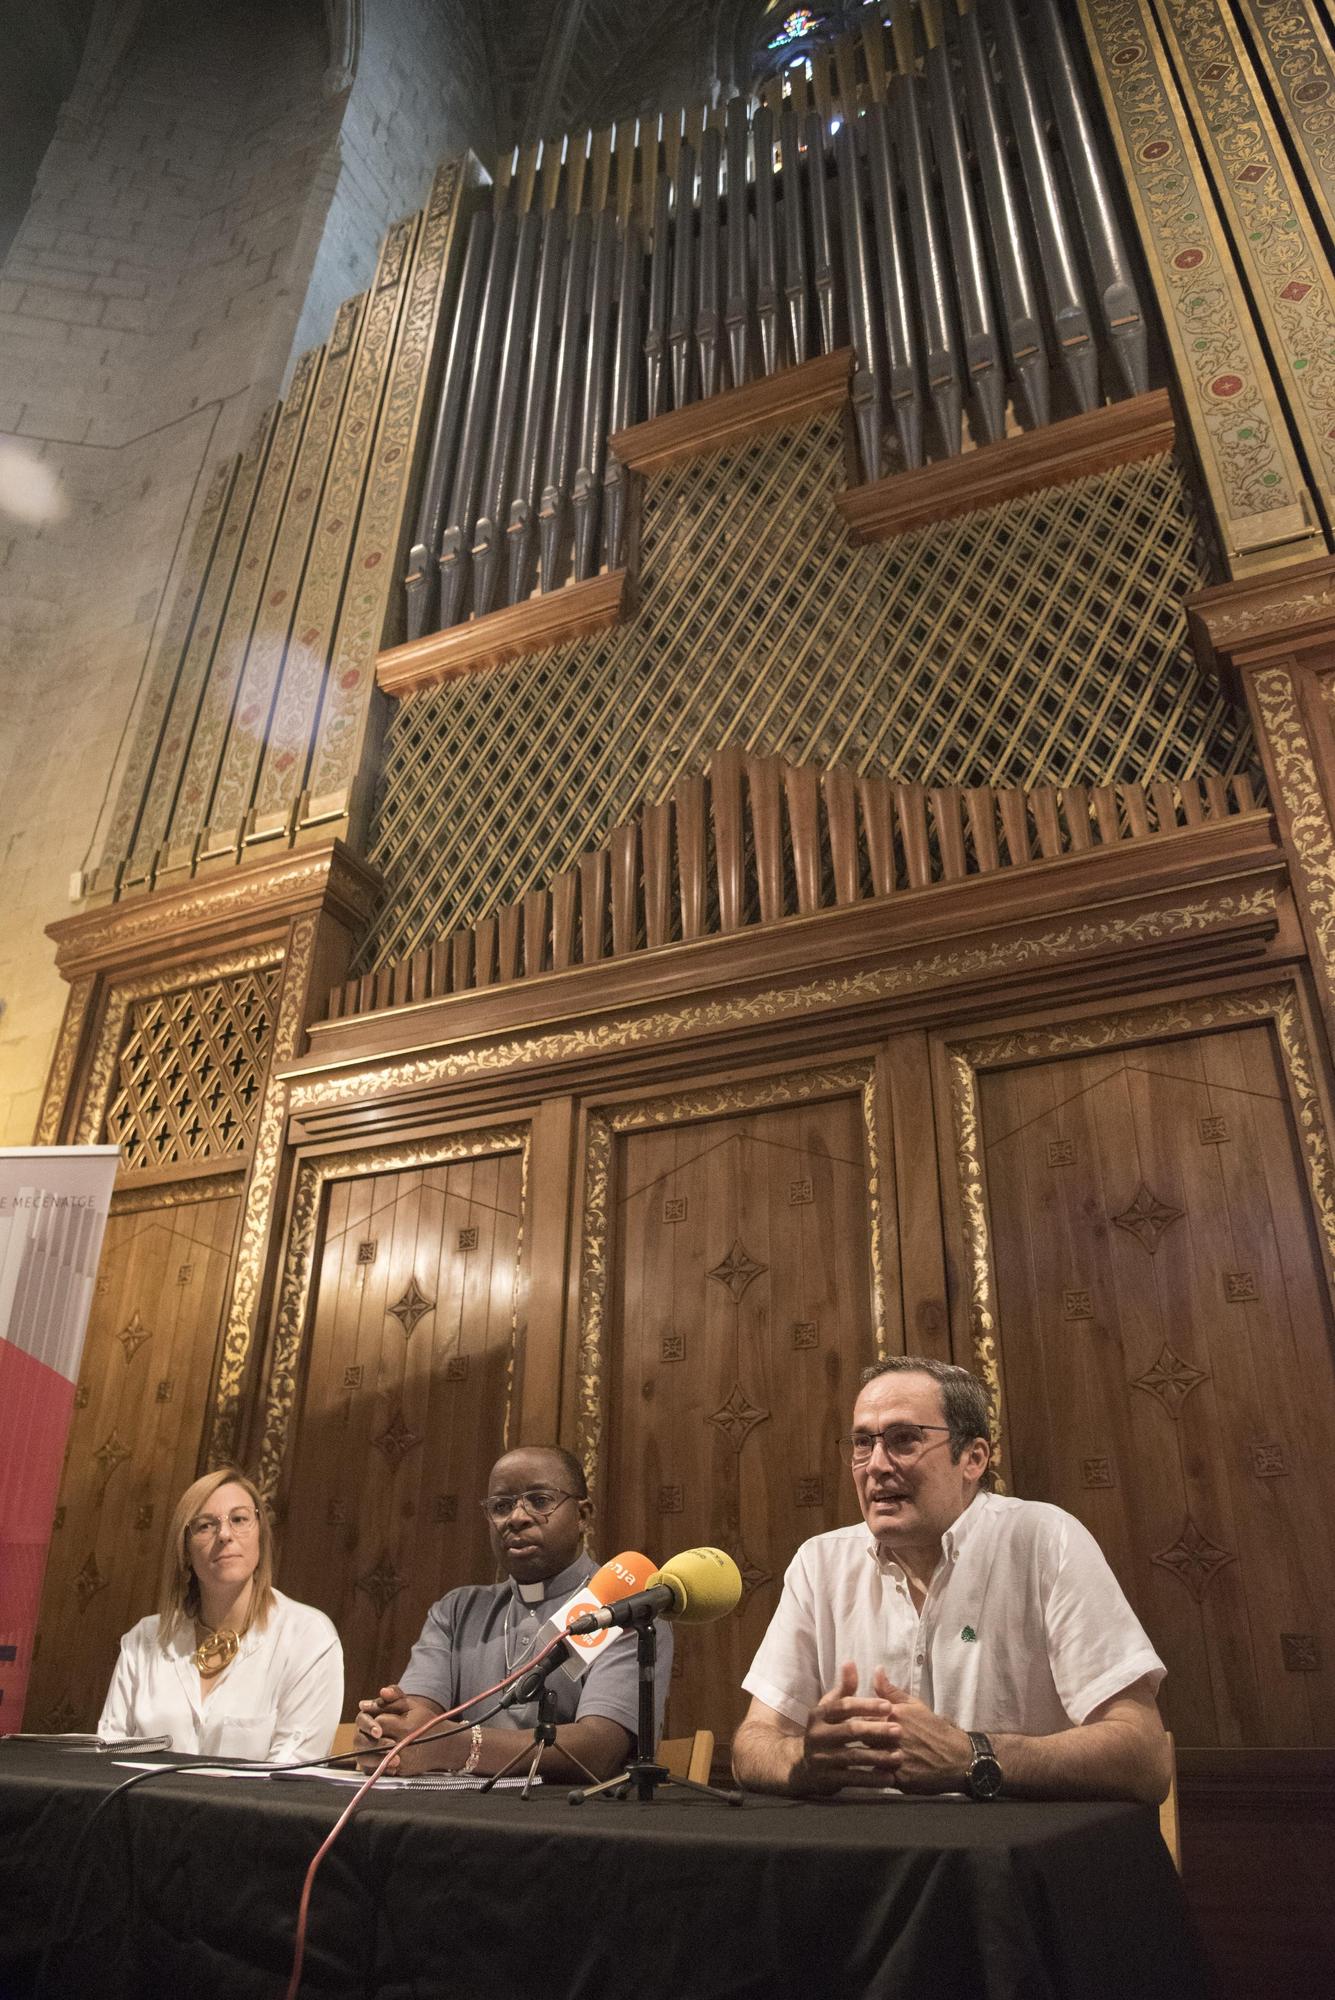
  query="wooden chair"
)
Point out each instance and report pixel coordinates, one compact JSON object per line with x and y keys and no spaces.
{"x":345,"y":1739}
{"x":1168,"y":1820}
{"x":688,"y":1756}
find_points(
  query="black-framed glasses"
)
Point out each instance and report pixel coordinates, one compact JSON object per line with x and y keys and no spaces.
{"x":539,"y":1501}
{"x":902,"y":1442}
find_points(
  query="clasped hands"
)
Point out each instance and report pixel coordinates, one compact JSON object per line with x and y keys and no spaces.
{"x":388,"y":1718}
{"x":883,"y":1738}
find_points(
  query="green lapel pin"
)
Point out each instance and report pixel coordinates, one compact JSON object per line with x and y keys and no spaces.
{"x":969,"y":1634}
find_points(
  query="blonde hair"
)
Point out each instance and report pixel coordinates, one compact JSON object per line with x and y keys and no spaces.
{"x":178,"y":1592}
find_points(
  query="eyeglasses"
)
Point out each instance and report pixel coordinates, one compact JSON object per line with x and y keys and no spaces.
{"x":241,"y":1520}
{"x":539,"y":1501}
{"x":902,"y":1442}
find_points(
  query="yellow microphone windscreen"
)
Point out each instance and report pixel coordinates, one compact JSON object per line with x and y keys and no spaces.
{"x":705,"y":1582}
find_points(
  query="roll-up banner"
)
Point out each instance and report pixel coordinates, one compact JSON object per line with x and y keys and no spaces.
{"x":54,"y":1202}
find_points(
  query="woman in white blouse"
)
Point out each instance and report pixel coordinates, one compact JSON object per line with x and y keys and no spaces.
{"x":228,"y":1666}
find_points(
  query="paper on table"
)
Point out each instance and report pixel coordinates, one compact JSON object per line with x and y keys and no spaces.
{"x":433,"y":1781}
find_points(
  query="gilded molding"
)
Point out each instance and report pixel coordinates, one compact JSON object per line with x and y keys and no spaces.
{"x":287,"y":630}
{"x":1309,"y":824}
{"x":213,"y":721}
{"x":1277,"y":1003}
{"x":1276,"y":237}
{"x":126,"y":928}
{"x":690,"y":1107}
{"x":111,"y":1034}
{"x":260,"y":1192}
{"x":177,"y":1194}
{"x":312,"y":1177}
{"x":982,"y":1313}
{"x":351,"y":678}
{"x":131,"y":802}
{"x":1295,"y":48}
{"x":1252,"y":472}
{"x":915,"y":973}
{"x":62,"y":1062}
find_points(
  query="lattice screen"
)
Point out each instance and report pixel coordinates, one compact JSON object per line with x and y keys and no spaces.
{"x":1042,"y":642}
{"x":191,"y":1070}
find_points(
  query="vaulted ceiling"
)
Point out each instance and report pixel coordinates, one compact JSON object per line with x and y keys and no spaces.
{"x":559,"y":64}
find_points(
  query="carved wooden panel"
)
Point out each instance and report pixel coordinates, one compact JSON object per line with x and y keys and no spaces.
{"x":723,"y":1425}
{"x":1187,"y":1418}
{"x":405,"y":1402}
{"x":157,"y":1308}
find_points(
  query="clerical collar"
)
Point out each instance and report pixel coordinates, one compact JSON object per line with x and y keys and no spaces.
{"x":564,"y":1584}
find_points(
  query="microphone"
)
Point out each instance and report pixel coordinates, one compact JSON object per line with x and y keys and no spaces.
{"x":695,"y":1586}
{"x":625,"y":1573}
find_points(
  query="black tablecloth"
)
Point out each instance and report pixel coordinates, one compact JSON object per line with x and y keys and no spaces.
{"x":188,"y":1886}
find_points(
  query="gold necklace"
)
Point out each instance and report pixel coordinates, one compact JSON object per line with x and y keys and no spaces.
{"x":215,"y":1651}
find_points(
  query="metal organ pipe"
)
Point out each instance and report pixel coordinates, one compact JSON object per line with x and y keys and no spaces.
{"x":553,"y":507}
{"x":866,"y":389}
{"x":588,"y":480}
{"x":457,"y":540}
{"x":660,"y":269}
{"x":737,"y":282}
{"x":1057,"y":256}
{"x":420,"y":583}
{"x":1119,"y":305}
{"x":683,"y":274}
{"x":1010,"y":256}
{"x":982,"y":348}
{"x":521,"y":527}
{"x":709,"y":317}
{"x":897,"y":319}
{"x":488,"y":533}
{"x":822,"y":236}
{"x":630,"y":273}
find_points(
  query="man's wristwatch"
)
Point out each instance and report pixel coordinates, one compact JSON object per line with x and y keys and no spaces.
{"x":984,"y":1779}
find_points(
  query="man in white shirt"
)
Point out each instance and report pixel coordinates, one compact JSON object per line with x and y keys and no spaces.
{"x":958,"y":1641}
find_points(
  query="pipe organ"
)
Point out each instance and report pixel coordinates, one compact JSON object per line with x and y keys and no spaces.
{"x":940,"y":206}
{"x":743,"y":779}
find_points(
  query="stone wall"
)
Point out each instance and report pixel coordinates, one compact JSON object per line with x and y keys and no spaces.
{"x":205,"y":203}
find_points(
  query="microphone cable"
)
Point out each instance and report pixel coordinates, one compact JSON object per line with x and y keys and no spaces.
{"x":423,"y":1734}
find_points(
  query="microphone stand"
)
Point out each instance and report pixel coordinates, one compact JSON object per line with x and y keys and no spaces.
{"x":544,"y":1731}
{"x":644,"y":1776}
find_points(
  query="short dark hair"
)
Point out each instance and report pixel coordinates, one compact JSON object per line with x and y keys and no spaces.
{"x":569,"y":1464}
{"x":965,"y":1399}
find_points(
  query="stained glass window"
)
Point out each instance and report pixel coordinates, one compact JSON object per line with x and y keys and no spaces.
{"x":800,"y":24}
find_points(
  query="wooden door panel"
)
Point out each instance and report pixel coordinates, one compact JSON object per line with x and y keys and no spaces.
{"x":134,"y":1444}
{"x":742,"y":1315}
{"x":1166,"y":1345}
{"x":404,"y":1406}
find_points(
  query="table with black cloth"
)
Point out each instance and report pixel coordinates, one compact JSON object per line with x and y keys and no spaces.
{"x":188,"y":1886}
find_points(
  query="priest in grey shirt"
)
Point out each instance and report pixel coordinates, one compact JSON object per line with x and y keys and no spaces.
{"x":538,"y":1508}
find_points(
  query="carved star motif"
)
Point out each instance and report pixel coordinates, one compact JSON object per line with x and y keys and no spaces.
{"x":738,"y":1417}
{"x":397,"y":1440}
{"x":1171,"y":1379}
{"x":88,"y":1582}
{"x":1147,"y":1218}
{"x":1193,"y":1559}
{"x":738,"y":1270}
{"x":382,"y":1585}
{"x":109,"y":1454}
{"x":751,"y":1572}
{"x":132,"y":1337}
{"x":414,"y":1305}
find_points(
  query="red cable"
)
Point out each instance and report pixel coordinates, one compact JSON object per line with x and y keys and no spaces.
{"x":423,"y":1731}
